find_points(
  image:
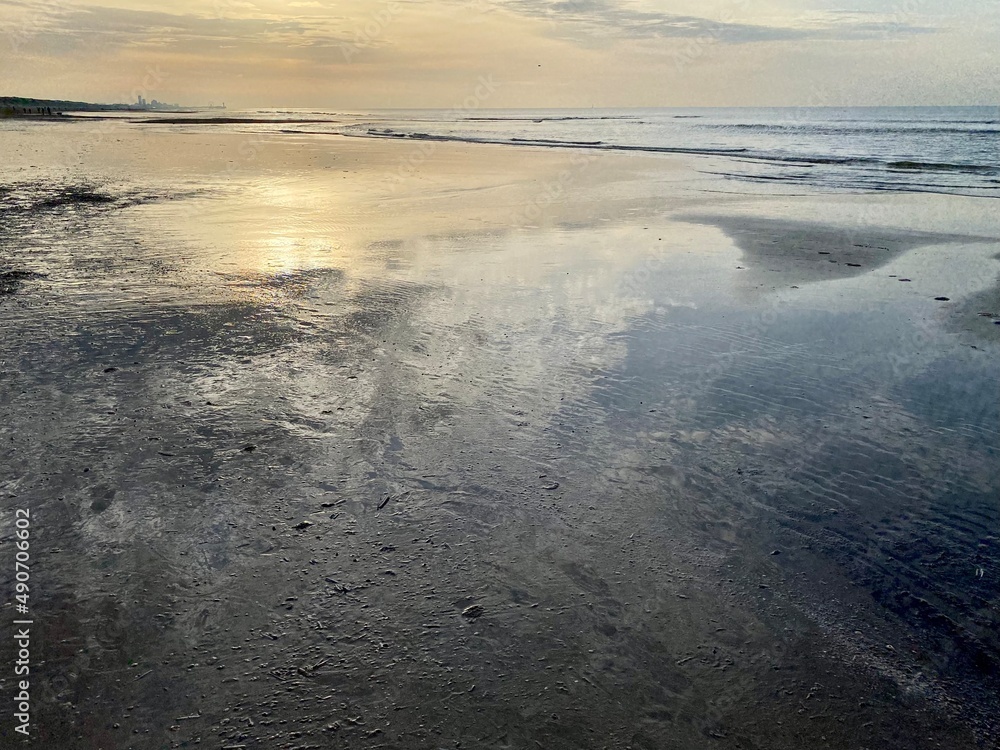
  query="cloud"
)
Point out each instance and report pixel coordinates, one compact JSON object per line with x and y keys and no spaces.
{"x":57,"y":30}
{"x":608,"y":18}
{"x":27,"y":18}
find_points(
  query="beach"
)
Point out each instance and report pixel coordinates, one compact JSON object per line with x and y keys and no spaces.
{"x":379,"y":442}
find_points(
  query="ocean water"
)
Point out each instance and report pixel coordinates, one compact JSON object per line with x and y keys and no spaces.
{"x":923,"y":149}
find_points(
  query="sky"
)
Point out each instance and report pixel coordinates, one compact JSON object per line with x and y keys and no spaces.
{"x":362,"y":54}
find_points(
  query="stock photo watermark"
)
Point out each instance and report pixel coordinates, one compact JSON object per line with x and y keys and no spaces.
{"x":407,"y":167}
{"x":23,"y":621}
{"x":365,"y":36}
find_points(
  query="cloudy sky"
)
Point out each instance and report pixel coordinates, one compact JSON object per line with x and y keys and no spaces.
{"x":536,"y":53}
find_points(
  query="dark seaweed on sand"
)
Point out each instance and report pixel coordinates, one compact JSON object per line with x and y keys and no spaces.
{"x":35,"y":196}
{"x":75,"y":194}
{"x":11,"y":280}
{"x":39,"y":196}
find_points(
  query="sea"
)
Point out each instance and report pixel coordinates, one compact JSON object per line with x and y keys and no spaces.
{"x":953,"y":150}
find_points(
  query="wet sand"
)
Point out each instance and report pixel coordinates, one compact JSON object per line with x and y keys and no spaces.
{"x":338,"y":442}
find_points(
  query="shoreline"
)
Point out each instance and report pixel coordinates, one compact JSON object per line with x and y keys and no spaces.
{"x":765,"y":165}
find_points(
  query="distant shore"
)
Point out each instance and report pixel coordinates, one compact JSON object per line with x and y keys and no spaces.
{"x":19,"y":106}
